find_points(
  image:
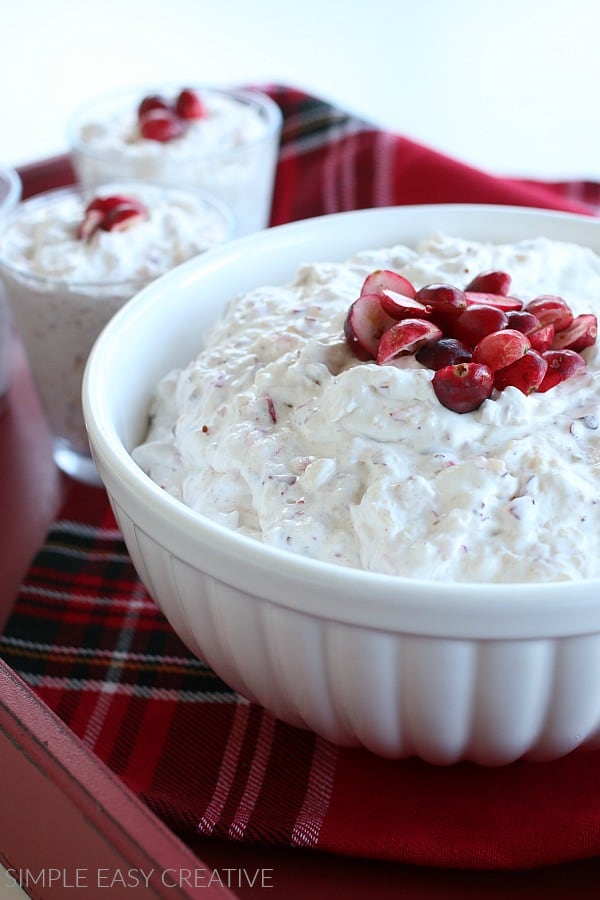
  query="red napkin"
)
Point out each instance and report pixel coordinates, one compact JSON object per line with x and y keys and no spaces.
{"x":89,"y":640}
{"x":332,"y":161}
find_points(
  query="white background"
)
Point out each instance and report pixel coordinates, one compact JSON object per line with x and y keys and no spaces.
{"x":511,"y":86}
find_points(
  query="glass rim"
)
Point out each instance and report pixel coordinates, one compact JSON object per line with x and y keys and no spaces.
{"x":272,"y":114}
{"x":15,"y":188}
{"x":40,"y":199}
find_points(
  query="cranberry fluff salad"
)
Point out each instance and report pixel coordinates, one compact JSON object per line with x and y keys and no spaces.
{"x":69,"y":262}
{"x":430,"y":412}
{"x":225,"y":142}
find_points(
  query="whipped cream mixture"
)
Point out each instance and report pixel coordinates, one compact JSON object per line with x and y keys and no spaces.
{"x":277,"y":431}
{"x":63,"y":290}
{"x":227,"y":125}
{"x":230,"y":152}
{"x":42,"y":240}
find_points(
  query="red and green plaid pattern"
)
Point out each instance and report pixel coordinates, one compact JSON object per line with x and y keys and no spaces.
{"x":90,"y":642}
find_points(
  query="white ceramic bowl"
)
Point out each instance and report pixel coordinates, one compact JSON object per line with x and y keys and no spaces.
{"x":447,"y":672}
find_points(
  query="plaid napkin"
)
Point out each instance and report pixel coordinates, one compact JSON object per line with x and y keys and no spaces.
{"x":90,"y":642}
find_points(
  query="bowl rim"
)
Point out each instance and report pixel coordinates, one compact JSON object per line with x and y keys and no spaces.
{"x":270,"y":110}
{"x":457,"y":609}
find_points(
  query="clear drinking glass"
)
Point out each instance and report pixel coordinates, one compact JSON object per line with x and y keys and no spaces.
{"x":232,"y":152}
{"x":10,"y":195}
{"x":60,"y":317}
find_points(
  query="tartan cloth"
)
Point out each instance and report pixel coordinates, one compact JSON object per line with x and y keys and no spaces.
{"x":87,"y":638}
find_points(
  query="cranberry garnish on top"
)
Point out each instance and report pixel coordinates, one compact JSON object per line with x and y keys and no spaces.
{"x":525,"y":373}
{"x":161,"y":125}
{"x":549,"y":309}
{"x":152,"y":101}
{"x":562,"y":364}
{"x":162,"y":120}
{"x":406,"y":337}
{"x":463,"y":387}
{"x":188,"y":105}
{"x":478,"y":339}
{"x":365,"y":323}
{"x":495,"y":282}
{"x":478,"y":320}
{"x":444,"y":299}
{"x":581,"y":333}
{"x":112,"y":213}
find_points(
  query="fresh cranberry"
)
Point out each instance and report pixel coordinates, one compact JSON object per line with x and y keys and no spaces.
{"x":490,"y":283}
{"x":477,"y":321}
{"x":399,"y":306}
{"x":502,"y":301}
{"x":188,"y":105}
{"x":550,"y":309}
{"x":581,"y":333}
{"x":90,"y":224}
{"x":501,"y":348}
{"x":525,"y":373}
{"x":364,"y":325}
{"x":522,"y":321}
{"x":111,"y":213}
{"x":562,"y":364}
{"x":122,"y":217}
{"x":444,"y":299}
{"x":387,"y":280}
{"x":152,"y":101}
{"x":445,"y":352}
{"x":541,"y":338}
{"x":463,"y":387}
{"x":406,"y":337}
{"x":161,"y":125}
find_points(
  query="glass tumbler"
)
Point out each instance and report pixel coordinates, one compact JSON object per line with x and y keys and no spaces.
{"x":10,"y":195}
{"x":231,"y":152}
{"x":59,"y":317}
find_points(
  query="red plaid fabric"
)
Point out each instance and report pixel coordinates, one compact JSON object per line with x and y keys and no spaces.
{"x":87,"y":638}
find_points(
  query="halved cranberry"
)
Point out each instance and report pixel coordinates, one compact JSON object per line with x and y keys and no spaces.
{"x":446,"y":302}
{"x":522,"y":321}
{"x":122,"y":217}
{"x":112,"y":212}
{"x":387,"y":280}
{"x":161,"y":125}
{"x":406,"y":337}
{"x":501,"y":348}
{"x":399,"y":306}
{"x":89,"y":224}
{"x":105,"y":204}
{"x":495,"y":282}
{"x":152,"y":101}
{"x":463,"y":387}
{"x":581,"y":333}
{"x":188,"y":105}
{"x":562,"y":364}
{"x":526,"y":373}
{"x":548,"y":308}
{"x":445,"y":352}
{"x":541,"y":338}
{"x":364,"y":325}
{"x":502,"y":301}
